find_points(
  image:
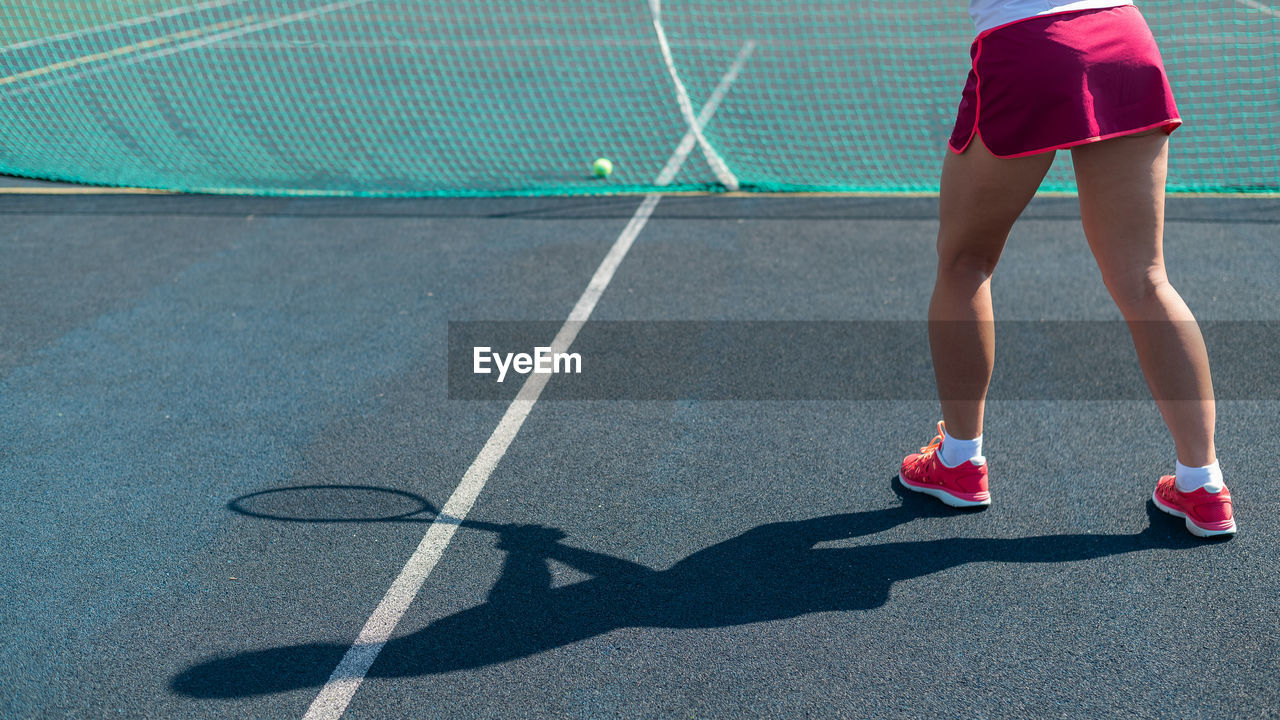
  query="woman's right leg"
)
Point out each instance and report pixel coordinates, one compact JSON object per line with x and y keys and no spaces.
{"x":981,"y":197}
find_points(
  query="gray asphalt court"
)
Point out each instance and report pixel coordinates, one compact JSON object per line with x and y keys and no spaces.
{"x":228,"y":426}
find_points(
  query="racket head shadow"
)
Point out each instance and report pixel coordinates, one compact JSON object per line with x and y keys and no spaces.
{"x":334,"y":504}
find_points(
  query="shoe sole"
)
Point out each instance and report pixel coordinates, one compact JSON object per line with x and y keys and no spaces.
{"x":946,"y":497}
{"x":1193,"y":528}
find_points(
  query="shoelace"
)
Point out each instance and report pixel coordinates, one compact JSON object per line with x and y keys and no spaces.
{"x":935,"y":443}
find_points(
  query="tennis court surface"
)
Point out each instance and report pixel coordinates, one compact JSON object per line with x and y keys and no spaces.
{"x":186,"y":379}
{"x":249,"y":468}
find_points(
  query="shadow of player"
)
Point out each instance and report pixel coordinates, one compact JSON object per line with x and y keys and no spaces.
{"x":770,"y":572}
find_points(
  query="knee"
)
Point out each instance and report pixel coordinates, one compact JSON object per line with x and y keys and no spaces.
{"x":967,"y":264}
{"x":1133,"y":292}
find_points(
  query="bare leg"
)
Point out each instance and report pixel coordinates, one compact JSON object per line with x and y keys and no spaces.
{"x":1121,"y":185}
{"x":982,"y":196}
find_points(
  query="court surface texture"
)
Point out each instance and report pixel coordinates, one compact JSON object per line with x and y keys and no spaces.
{"x":230,"y":447}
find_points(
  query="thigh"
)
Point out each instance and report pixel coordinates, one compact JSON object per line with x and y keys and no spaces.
{"x":1121,"y":186}
{"x":981,"y":197}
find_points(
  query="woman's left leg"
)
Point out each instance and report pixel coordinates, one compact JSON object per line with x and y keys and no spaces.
{"x":1121,"y":185}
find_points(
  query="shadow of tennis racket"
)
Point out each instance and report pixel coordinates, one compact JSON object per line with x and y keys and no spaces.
{"x":347,"y":504}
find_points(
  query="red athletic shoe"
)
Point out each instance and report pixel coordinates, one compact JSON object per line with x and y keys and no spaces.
{"x":1207,"y":514}
{"x":962,"y":486}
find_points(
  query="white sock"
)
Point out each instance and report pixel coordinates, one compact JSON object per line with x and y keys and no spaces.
{"x":954,"y":451}
{"x":1190,"y":479}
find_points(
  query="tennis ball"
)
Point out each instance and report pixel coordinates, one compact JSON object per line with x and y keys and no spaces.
{"x":602,"y":167}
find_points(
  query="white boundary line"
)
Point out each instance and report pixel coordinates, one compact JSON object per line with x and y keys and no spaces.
{"x":668,"y":173}
{"x":209,"y":40}
{"x":140,"y":20}
{"x":718,"y":166}
{"x":1260,"y":7}
{"x":335,"y":696}
{"x":122,"y":50}
{"x":337,"y":692}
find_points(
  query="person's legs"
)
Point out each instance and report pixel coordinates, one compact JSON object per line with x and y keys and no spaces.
{"x":1121,"y":185}
{"x":981,"y":197}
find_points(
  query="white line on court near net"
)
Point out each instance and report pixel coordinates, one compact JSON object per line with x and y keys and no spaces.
{"x":120,"y":51}
{"x":140,"y":20}
{"x":135,"y":59}
{"x":1260,"y":7}
{"x":337,"y":692}
{"x":717,"y":163}
{"x":686,"y":143}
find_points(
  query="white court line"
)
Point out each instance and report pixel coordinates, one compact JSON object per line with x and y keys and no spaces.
{"x":119,"y":51}
{"x":717,"y":163}
{"x":337,"y":692}
{"x":346,"y":678}
{"x":686,"y":143}
{"x":1260,"y":7}
{"x":135,"y":59}
{"x":140,"y":20}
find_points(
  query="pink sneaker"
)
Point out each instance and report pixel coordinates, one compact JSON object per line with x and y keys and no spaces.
{"x":1207,"y":514}
{"x":962,"y":486}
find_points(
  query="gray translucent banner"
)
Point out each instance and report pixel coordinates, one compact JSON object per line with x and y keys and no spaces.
{"x":826,"y":360}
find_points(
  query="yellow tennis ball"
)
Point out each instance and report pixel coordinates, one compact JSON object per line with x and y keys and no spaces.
{"x":602,"y":167}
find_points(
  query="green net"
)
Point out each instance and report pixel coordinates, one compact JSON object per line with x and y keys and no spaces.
{"x":483,"y":97}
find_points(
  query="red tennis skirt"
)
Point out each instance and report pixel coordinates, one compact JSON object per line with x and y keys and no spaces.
{"x":1055,"y":81}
